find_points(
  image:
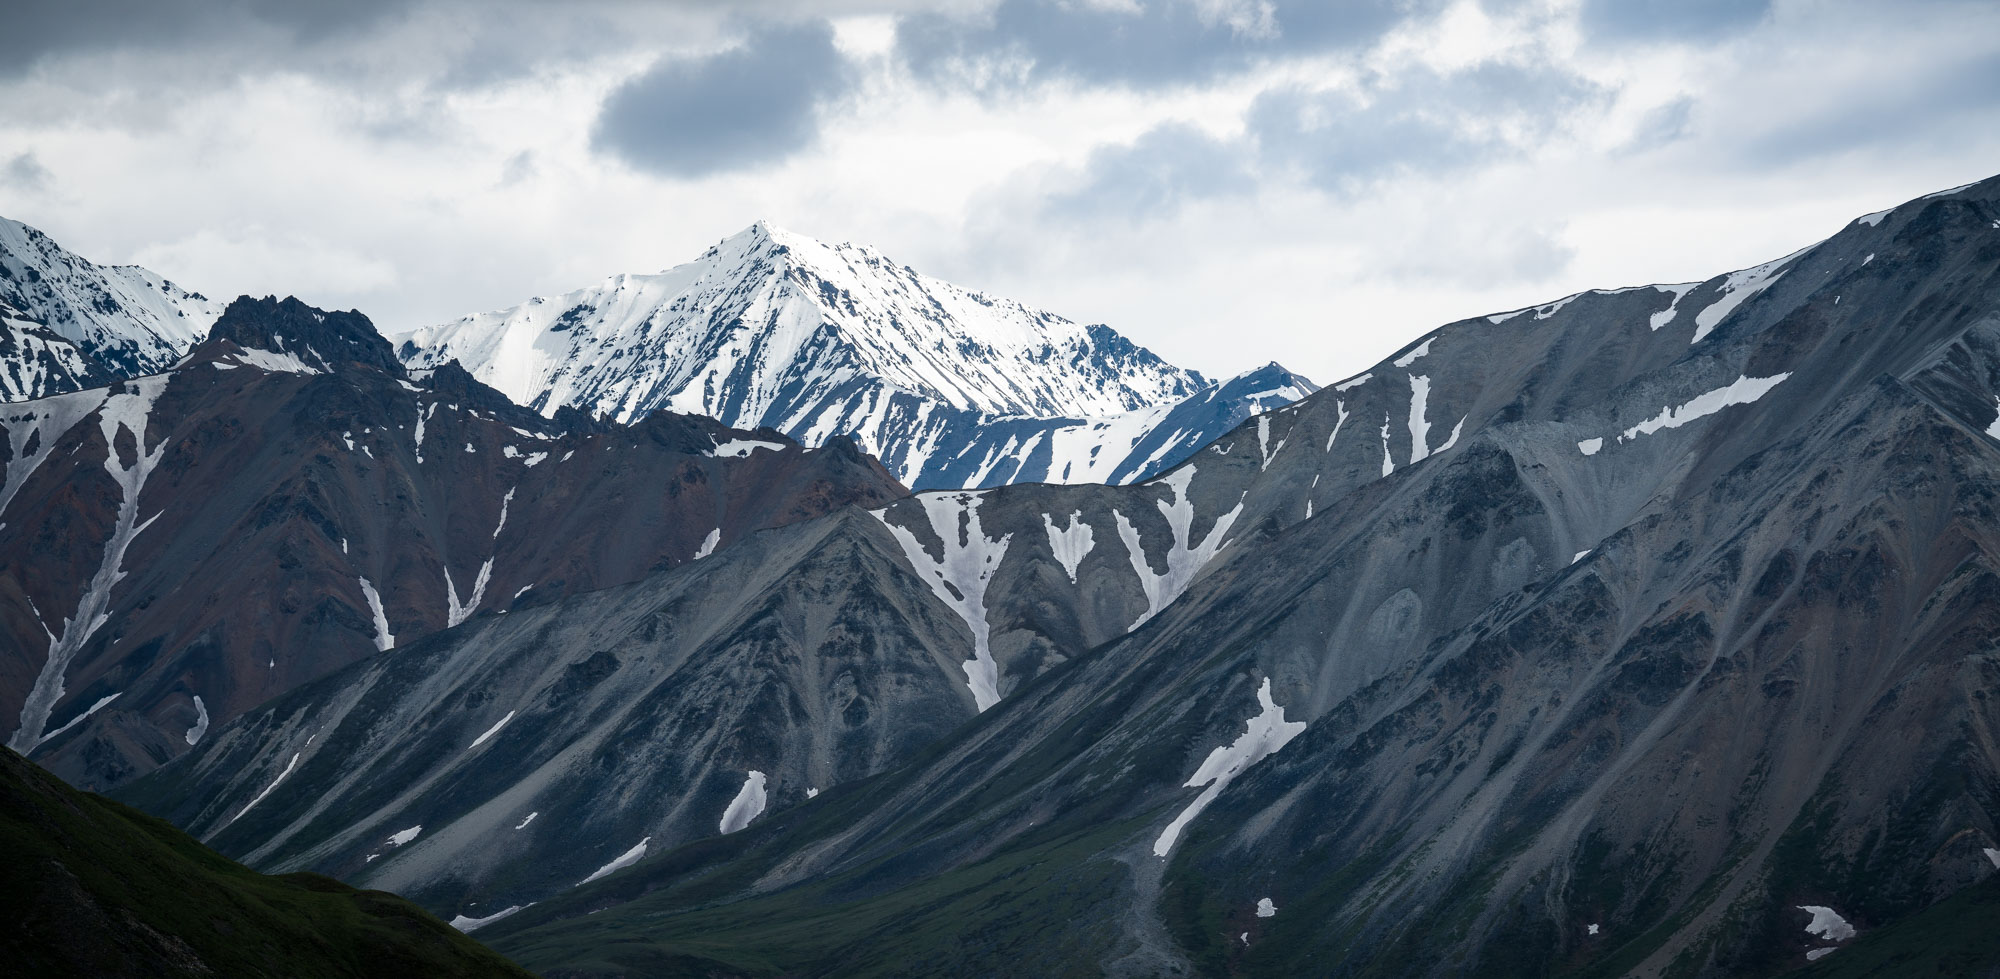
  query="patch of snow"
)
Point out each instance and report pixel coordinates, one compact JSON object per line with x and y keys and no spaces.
{"x":1665,"y":316}
{"x":1547,"y":310}
{"x":1498,"y":318}
{"x":274,"y":362}
{"x":1993,"y":430}
{"x":348,"y":437}
{"x":1827,"y":923}
{"x":1819,"y":953}
{"x":1420,"y":427}
{"x":456,"y":611}
{"x":959,"y":578}
{"x":1388,"y":461}
{"x":626,"y":859}
{"x":465,"y":924}
{"x":1070,"y":545}
{"x":1589,"y":447}
{"x":1993,"y":855}
{"x":505,"y":502}
{"x":1874,"y":219}
{"x":1340,"y":407}
{"x":401,"y":837}
{"x":1592,"y":930}
{"x":491,"y":731}
{"x":101,"y":703}
{"x":1265,"y":909}
{"x":530,"y":819}
{"x":1580,"y":555}
{"x":294,"y":763}
{"x":533,"y":459}
{"x":1355,"y":383}
{"x":749,"y":802}
{"x":739,"y":448}
{"x":1186,"y":557}
{"x":383,"y":639}
{"x":200,"y":722}
{"x":1737,"y":288}
{"x":127,"y":410}
{"x":469,"y":448}
{"x":1411,"y":357}
{"x":812,"y":793}
{"x":1947,"y":193}
{"x":708,"y":544}
{"x":1741,"y":391}
{"x":1264,"y":735}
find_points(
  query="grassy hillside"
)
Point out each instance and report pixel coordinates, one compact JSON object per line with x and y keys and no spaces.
{"x":93,"y":888}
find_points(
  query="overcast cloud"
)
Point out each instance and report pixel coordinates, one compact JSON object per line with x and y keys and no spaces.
{"x":1226,"y":181}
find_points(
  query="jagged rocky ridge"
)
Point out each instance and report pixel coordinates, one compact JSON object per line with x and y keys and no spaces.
{"x":36,"y":362}
{"x":178,"y":547}
{"x":122,"y":320}
{"x":1647,"y":628}
{"x":948,"y":387}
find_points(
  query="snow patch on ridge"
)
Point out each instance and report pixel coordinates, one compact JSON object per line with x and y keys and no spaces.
{"x":1737,"y":288}
{"x":1827,"y":923}
{"x":960,"y":577}
{"x":1741,"y":391}
{"x":383,"y":638}
{"x":1265,"y":734}
{"x":708,"y":544}
{"x":127,"y":411}
{"x":491,"y":731}
{"x":747,"y":805}
{"x":466,"y":925}
{"x":626,"y":859}
{"x":1186,"y":557}
{"x":1070,"y":545}
{"x":740,"y":448}
{"x":200,"y":727}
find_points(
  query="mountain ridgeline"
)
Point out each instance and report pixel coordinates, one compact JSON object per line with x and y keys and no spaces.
{"x":948,"y":387}
{"x":1644,"y":631}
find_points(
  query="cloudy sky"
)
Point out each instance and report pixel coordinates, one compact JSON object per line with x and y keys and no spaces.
{"x":1226,"y":181}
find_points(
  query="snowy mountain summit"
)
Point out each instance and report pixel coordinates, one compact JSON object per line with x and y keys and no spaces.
{"x":946,"y":385}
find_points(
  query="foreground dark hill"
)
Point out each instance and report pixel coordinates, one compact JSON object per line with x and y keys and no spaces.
{"x":179,"y":547}
{"x":1677,"y":662}
{"x":92,"y":888}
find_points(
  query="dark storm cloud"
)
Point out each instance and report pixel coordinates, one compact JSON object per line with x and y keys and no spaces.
{"x":32,"y":31}
{"x":755,"y":103}
{"x":1162,"y":43}
{"x":1424,"y":123}
{"x":1669,"y":20}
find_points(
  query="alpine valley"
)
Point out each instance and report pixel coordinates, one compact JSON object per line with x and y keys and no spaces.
{"x":1649,"y":631}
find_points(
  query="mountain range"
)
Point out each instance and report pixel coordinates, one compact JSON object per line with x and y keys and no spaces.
{"x":947,"y":386}
{"x":1644,"y":631}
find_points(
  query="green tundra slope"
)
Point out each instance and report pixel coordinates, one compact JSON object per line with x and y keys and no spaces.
{"x":92,"y":888}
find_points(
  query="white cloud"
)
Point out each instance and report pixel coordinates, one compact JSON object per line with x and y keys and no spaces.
{"x":418,"y":188}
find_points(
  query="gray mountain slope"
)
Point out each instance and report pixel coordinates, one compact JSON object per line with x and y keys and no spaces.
{"x":1662,"y":610}
{"x":182,"y":547}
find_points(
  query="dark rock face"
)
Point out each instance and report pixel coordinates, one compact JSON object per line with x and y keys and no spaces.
{"x":288,"y":502}
{"x":319,"y":338}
